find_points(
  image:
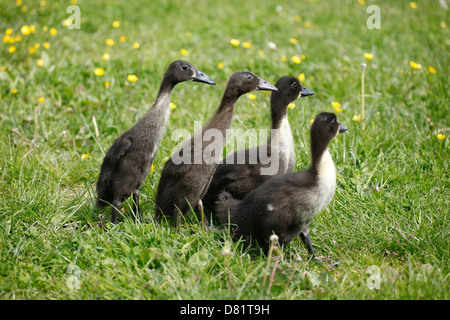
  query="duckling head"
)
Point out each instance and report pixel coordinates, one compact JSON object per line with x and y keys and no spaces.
{"x":290,"y":89}
{"x":326,"y":127}
{"x":181,"y":70}
{"x":243,"y":82}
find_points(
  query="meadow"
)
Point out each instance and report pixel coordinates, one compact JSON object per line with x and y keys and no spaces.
{"x":67,"y":93}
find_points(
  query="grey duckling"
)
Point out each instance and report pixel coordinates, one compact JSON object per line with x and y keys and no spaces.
{"x":129,"y":159}
{"x":182,"y":186}
{"x":285,"y":205}
{"x":239,"y":179}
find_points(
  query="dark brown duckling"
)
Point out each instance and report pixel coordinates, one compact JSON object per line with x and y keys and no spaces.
{"x":130,"y":157}
{"x":239,"y":179}
{"x":182,"y":185}
{"x":285,"y":205}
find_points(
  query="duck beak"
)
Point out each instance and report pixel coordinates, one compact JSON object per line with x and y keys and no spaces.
{"x":342,"y":128}
{"x":264,"y":85}
{"x":306,"y":92}
{"x":202,"y":77}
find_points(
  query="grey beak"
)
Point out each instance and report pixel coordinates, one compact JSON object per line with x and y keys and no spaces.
{"x":342,"y":127}
{"x":202,"y":77}
{"x":306,"y":92}
{"x":264,"y":85}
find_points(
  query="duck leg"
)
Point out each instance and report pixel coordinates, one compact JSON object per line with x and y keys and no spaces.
{"x":205,"y":222}
{"x":304,"y":235}
{"x":176,"y":214}
{"x":136,"y":210}
{"x":116,"y":205}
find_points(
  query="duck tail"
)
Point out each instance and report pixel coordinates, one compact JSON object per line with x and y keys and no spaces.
{"x":226,"y":208}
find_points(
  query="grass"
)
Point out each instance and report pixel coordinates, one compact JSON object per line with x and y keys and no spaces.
{"x":391,"y":208}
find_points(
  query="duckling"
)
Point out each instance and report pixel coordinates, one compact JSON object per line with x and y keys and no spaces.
{"x":285,"y":205}
{"x":131,"y":155}
{"x":182,"y":186}
{"x":239,"y":179}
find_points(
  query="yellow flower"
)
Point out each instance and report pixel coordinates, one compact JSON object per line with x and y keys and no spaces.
{"x":33,"y":28}
{"x":251,"y":96}
{"x":415,"y":65}
{"x":17,"y":38}
{"x":85,"y":155}
{"x":14,"y":91}
{"x":413,"y":5}
{"x":99,"y":71}
{"x":18,"y":2}
{"x":12,"y":49}
{"x":2,"y":68}
{"x":246,"y":44}
{"x":107,"y":84}
{"x":46,"y":45}
{"x":153,"y":168}
{"x":67,"y":22}
{"x":311,"y":121}
{"x":220,"y":65}
{"x":7,"y":39}
{"x":45,"y":28}
{"x":291,"y":105}
{"x":123,"y":39}
{"x":302,"y":56}
{"x":234,"y":42}
{"x":109,"y":42}
{"x":368,"y":56}
{"x":132,"y":78}
{"x":361,"y":2}
{"x":73,"y":1}
{"x":41,"y":99}
{"x":8,"y":31}
{"x":260,"y":53}
{"x":301,"y":77}
{"x":307,"y":24}
{"x":296,"y":59}
{"x":440,"y":136}
{"x":25,"y":30}
{"x":106,"y":56}
{"x":42,"y":3}
{"x":172,"y":105}
{"x":431,"y":69}
{"x":40,"y":62}
{"x":53,"y":31}
{"x":335,"y":104}
{"x":297,"y":18}
{"x":357,"y":117}
{"x":189,"y":34}
{"x":136,"y":45}
{"x":116,"y":24}
{"x":184,"y":52}
{"x":283,"y":58}
{"x":443,"y":25}
{"x":293,"y":40}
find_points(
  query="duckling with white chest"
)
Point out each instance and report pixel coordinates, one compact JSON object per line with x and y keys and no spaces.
{"x":285,"y":205}
{"x":240,"y":178}
{"x":129,"y":159}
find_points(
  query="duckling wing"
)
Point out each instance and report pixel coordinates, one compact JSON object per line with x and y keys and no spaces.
{"x":118,"y":149}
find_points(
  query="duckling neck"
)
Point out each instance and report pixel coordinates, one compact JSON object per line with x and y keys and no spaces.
{"x":282,"y":137}
{"x":278,"y":112}
{"x":224,"y":114}
{"x":325,"y":169}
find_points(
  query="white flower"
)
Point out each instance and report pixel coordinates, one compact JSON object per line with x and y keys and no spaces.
{"x":273,"y":238}
{"x":272,"y":45}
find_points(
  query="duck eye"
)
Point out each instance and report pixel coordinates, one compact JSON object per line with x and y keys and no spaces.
{"x":184,"y":67}
{"x":249,"y":77}
{"x":294,"y":85}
